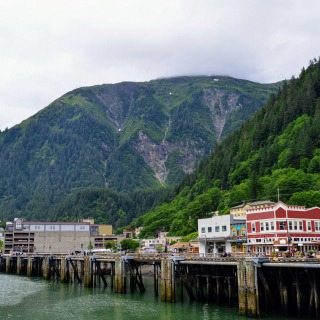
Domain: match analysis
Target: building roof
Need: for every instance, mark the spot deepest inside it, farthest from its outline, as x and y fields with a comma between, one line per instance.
x=53, y=223
x=239, y=206
x=256, y=203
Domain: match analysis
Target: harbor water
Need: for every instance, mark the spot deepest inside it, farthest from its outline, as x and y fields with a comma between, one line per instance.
x=24, y=297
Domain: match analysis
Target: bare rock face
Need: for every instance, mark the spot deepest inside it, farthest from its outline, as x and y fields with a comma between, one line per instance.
x=221, y=103
x=153, y=154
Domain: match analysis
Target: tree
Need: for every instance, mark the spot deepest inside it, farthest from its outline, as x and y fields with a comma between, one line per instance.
x=1, y=245
x=306, y=198
x=90, y=246
x=129, y=244
x=108, y=245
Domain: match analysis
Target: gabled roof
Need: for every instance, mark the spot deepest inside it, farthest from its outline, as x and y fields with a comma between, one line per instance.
x=256, y=203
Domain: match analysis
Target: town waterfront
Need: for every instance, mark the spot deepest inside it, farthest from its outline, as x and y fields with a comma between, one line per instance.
x=23, y=297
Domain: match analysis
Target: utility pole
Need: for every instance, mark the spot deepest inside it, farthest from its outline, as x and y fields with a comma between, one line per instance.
x=278, y=195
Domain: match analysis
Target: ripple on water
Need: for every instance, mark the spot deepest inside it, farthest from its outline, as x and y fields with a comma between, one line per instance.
x=13, y=290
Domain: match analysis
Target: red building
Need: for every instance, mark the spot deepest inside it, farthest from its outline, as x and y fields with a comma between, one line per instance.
x=283, y=227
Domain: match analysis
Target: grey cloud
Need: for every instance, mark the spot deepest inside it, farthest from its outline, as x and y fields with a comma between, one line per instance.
x=49, y=48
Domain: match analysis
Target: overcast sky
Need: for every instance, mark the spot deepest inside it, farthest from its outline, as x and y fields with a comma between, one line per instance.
x=50, y=47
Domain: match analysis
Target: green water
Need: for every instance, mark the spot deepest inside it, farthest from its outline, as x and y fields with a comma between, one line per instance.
x=34, y=298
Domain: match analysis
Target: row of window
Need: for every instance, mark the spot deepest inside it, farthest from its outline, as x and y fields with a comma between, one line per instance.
x=292, y=225
x=273, y=239
x=216, y=229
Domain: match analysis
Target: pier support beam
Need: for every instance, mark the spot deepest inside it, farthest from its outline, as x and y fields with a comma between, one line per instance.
x=63, y=271
x=166, y=280
x=156, y=281
x=46, y=268
x=120, y=276
x=7, y=264
x=18, y=265
x=87, y=270
x=247, y=289
x=29, y=267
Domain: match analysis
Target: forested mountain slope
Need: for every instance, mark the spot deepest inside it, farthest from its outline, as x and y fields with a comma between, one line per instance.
x=124, y=137
x=278, y=148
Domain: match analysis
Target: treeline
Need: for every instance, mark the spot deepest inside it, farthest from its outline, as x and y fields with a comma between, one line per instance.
x=108, y=207
x=278, y=148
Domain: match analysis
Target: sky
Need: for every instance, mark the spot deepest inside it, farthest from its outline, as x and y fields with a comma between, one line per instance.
x=48, y=48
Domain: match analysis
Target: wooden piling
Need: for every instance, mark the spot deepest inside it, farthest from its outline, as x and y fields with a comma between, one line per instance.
x=166, y=278
x=316, y=296
x=63, y=271
x=8, y=264
x=156, y=281
x=19, y=265
x=209, y=289
x=87, y=279
x=29, y=267
x=298, y=295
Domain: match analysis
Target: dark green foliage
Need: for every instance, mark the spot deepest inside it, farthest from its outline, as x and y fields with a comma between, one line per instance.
x=90, y=138
x=279, y=147
x=129, y=244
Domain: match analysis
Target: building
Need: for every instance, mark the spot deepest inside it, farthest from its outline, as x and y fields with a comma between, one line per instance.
x=238, y=235
x=151, y=243
x=240, y=210
x=214, y=233
x=283, y=227
x=187, y=247
x=55, y=237
x=98, y=240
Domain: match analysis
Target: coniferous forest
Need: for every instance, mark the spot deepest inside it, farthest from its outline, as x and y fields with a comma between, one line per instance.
x=278, y=148
x=114, y=152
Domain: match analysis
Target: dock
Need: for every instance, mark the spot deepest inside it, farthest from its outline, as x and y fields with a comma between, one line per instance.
x=286, y=286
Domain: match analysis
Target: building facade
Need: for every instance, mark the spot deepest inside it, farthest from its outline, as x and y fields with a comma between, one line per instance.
x=240, y=210
x=56, y=237
x=214, y=233
x=283, y=227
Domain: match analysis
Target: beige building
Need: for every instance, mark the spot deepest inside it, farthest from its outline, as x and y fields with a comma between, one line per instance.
x=240, y=210
x=56, y=237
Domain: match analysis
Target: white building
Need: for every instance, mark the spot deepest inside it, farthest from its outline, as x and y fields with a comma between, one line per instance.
x=214, y=233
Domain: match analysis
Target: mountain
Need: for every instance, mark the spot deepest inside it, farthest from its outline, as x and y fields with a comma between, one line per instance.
x=124, y=137
x=276, y=151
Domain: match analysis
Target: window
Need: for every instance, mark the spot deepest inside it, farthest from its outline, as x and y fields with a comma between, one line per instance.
x=295, y=225
x=309, y=225
x=209, y=229
x=217, y=229
x=224, y=228
x=316, y=225
x=203, y=230
x=300, y=225
x=296, y=239
x=267, y=226
x=290, y=225
x=261, y=226
x=18, y=224
x=272, y=225
x=281, y=225
x=253, y=227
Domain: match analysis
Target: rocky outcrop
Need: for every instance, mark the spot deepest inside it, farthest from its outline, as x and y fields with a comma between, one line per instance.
x=221, y=103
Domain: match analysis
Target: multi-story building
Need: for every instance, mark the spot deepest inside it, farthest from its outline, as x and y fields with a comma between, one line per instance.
x=214, y=234
x=238, y=235
x=57, y=237
x=240, y=210
x=163, y=241
x=98, y=239
x=283, y=227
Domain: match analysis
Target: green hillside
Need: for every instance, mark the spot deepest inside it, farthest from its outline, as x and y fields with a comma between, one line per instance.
x=278, y=148
x=124, y=137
